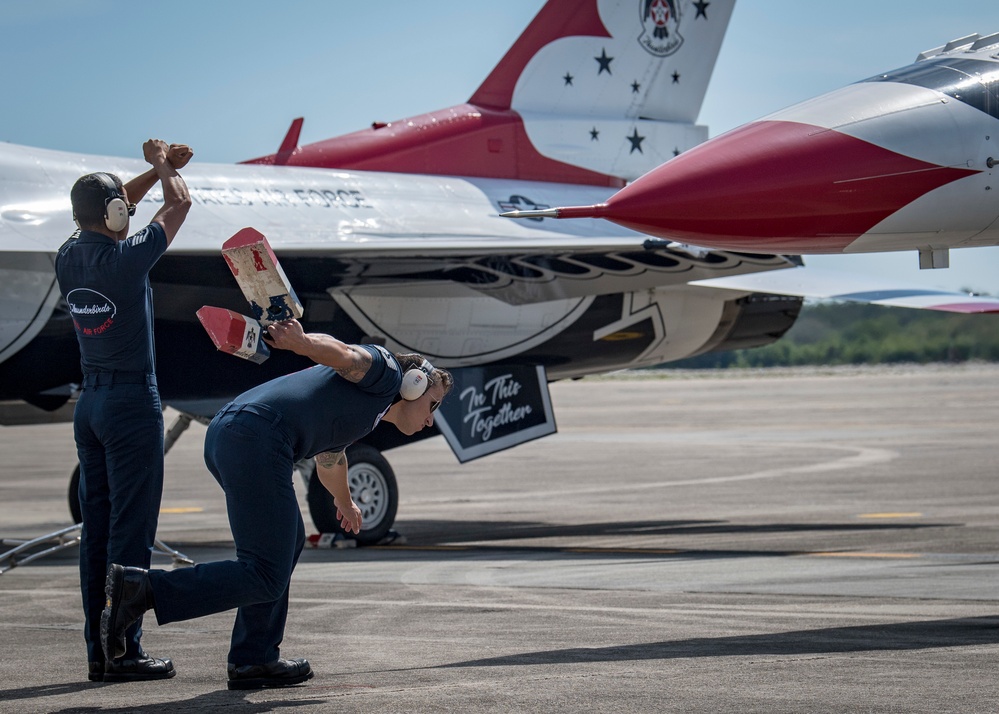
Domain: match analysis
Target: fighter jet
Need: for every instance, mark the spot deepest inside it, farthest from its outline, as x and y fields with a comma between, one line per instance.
x=392, y=235
x=903, y=160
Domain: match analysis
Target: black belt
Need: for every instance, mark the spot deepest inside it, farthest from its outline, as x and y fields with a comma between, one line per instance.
x=106, y=379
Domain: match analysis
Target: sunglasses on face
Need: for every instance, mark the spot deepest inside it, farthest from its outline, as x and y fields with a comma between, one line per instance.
x=433, y=406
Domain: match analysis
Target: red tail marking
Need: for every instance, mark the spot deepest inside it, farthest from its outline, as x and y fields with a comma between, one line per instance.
x=553, y=22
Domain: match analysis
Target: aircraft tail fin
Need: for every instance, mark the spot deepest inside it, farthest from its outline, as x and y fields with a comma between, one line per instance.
x=621, y=101
x=594, y=92
x=555, y=21
x=290, y=142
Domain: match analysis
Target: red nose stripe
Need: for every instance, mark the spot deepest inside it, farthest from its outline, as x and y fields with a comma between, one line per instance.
x=776, y=186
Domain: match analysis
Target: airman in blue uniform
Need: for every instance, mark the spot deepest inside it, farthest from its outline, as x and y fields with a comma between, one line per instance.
x=103, y=274
x=251, y=448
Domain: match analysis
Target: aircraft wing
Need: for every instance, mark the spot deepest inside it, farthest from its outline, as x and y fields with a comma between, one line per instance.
x=353, y=231
x=530, y=276
x=832, y=285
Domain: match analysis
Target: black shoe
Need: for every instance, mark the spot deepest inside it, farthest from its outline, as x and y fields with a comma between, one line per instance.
x=96, y=673
x=138, y=670
x=128, y=596
x=279, y=673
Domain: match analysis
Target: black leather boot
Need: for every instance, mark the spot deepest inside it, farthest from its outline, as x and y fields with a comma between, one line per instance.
x=128, y=596
x=279, y=673
x=140, y=669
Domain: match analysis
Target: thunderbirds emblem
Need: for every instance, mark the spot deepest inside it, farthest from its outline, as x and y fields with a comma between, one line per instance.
x=660, y=26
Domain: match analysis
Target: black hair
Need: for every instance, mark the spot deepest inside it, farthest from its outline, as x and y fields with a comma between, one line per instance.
x=89, y=198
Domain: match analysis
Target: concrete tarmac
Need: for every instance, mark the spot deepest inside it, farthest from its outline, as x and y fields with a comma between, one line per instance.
x=783, y=541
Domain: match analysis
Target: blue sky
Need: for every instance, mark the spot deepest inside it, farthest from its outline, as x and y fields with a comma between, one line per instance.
x=227, y=77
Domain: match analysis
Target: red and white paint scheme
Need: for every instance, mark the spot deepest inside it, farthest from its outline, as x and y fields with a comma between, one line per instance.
x=234, y=334
x=393, y=234
x=588, y=95
x=905, y=160
x=260, y=277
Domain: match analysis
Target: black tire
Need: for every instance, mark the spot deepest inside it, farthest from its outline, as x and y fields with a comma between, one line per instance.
x=74, y=496
x=373, y=488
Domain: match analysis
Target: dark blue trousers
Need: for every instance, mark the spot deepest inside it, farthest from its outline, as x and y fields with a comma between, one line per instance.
x=252, y=459
x=118, y=425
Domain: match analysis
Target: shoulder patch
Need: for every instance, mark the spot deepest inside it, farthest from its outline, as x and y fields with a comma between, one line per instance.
x=388, y=357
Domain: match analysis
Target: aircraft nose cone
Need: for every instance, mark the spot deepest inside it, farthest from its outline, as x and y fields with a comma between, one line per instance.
x=775, y=187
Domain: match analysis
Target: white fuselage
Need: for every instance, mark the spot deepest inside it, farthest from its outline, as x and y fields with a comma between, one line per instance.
x=371, y=223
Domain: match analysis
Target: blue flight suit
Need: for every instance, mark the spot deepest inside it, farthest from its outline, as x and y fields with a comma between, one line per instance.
x=251, y=447
x=118, y=422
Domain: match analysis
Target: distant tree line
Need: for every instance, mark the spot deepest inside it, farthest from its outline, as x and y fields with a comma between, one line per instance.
x=851, y=333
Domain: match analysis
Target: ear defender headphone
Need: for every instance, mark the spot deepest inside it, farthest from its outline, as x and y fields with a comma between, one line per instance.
x=116, y=211
x=415, y=381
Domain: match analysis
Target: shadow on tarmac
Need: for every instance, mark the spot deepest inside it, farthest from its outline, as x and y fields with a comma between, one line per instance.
x=230, y=701
x=932, y=634
x=439, y=532
x=430, y=538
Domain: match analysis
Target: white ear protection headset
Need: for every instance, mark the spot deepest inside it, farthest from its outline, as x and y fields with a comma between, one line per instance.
x=116, y=211
x=415, y=381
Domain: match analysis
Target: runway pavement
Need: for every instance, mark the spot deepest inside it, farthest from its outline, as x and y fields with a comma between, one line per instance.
x=785, y=541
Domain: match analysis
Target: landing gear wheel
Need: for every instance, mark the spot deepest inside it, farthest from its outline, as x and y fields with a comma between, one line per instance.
x=74, y=496
x=373, y=488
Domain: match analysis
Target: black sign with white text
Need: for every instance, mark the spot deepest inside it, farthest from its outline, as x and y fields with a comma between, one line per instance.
x=493, y=408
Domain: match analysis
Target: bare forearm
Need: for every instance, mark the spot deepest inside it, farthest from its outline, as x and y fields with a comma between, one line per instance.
x=325, y=349
x=331, y=470
x=350, y=361
x=335, y=481
x=138, y=187
x=174, y=188
x=176, y=199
